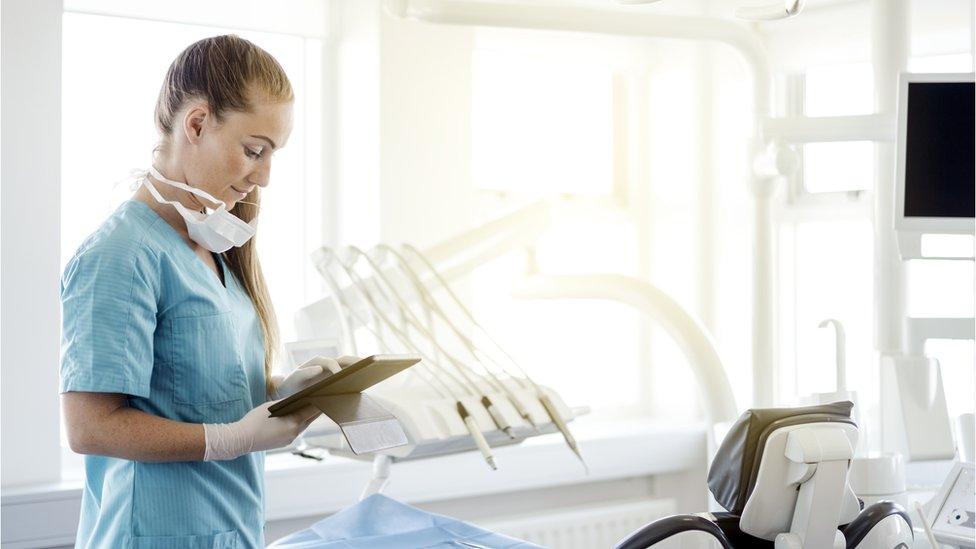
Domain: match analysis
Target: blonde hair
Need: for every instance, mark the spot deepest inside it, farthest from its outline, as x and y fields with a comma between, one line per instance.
x=228, y=73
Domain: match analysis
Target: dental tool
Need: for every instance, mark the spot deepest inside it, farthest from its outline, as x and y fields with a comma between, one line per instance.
x=432, y=307
x=363, y=288
x=334, y=287
x=429, y=331
x=470, y=425
x=546, y=402
x=412, y=320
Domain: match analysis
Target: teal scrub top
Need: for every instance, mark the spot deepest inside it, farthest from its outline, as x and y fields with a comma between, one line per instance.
x=142, y=315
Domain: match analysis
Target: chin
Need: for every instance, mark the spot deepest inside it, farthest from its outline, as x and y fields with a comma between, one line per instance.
x=231, y=197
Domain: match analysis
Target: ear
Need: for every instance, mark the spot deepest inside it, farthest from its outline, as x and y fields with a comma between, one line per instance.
x=194, y=121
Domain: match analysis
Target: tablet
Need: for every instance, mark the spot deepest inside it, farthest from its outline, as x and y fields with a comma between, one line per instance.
x=354, y=378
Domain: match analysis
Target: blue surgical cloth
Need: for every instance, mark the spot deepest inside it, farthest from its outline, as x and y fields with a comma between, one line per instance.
x=143, y=316
x=379, y=522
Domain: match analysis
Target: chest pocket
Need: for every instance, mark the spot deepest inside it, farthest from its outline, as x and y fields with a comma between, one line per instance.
x=208, y=370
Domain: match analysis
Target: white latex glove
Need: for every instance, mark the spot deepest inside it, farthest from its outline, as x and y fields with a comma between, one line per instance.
x=255, y=432
x=307, y=373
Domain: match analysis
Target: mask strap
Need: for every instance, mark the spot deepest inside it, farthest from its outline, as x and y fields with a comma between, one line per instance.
x=193, y=190
x=176, y=204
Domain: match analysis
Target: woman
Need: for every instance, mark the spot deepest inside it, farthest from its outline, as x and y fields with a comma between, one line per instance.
x=168, y=334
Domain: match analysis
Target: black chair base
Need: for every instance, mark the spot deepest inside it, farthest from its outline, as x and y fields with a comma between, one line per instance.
x=869, y=518
x=724, y=527
x=664, y=528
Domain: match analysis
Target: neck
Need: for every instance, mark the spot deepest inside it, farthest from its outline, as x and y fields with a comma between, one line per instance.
x=166, y=211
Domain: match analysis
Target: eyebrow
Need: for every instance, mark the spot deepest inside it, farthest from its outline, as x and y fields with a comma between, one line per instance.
x=268, y=139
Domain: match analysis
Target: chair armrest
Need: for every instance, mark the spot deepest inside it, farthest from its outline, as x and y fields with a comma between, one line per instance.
x=858, y=528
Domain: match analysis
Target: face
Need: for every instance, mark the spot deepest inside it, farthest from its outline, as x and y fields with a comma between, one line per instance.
x=231, y=158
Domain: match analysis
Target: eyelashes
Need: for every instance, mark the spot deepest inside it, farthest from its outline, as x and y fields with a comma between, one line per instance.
x=252, y=154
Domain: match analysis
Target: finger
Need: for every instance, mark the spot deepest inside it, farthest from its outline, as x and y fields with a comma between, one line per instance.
x=347, y=360
x=309, y=372
x=317, y=378
x=326, y=363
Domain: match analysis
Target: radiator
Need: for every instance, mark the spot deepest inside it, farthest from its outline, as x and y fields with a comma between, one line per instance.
x=591, y=527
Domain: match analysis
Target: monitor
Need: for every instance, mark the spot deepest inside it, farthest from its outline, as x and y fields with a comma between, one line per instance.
x=936, y=162
x=936, y=141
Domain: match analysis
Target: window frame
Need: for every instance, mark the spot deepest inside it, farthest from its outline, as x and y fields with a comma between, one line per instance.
x=798, y=206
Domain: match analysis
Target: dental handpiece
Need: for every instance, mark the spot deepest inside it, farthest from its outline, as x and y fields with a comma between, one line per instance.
x=476, y=434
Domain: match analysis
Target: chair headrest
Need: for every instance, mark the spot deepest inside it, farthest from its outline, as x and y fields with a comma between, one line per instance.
x=732, y=475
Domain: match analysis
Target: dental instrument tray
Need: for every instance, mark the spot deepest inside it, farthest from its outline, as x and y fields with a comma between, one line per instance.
x=350, y=380
x=466, y=394
x=434, y=428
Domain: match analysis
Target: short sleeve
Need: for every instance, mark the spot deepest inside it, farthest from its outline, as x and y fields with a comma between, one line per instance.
x=108, y=318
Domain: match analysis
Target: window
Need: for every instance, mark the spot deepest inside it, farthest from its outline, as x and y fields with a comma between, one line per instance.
x=956, y=359
x=825, y=251
x=839, y=166
x=838, y=90
x=825, y=247
x=832, y=274
x=951, y=62
x=938, y=288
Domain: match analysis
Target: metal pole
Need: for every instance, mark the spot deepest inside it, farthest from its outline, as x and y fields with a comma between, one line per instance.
x=889, y=43
x=890, y=38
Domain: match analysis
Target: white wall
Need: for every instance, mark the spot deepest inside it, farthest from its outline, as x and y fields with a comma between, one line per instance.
x=403, y=109
x=841, y=33
x=425, y=130
x=357, y=121
x=30, y=232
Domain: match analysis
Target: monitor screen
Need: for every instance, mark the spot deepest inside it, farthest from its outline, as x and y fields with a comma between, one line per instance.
x=939, y=150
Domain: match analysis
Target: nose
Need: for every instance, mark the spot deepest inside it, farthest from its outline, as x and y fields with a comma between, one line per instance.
x=261, y=176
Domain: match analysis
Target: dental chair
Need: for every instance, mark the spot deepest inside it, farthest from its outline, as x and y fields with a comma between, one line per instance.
x=781, y=474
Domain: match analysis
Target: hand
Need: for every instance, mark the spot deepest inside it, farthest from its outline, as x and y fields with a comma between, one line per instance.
x=348, y=360
x=255, y=432
x=308, y=373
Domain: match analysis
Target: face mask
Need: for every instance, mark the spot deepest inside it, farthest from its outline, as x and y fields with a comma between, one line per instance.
x=217, y=231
